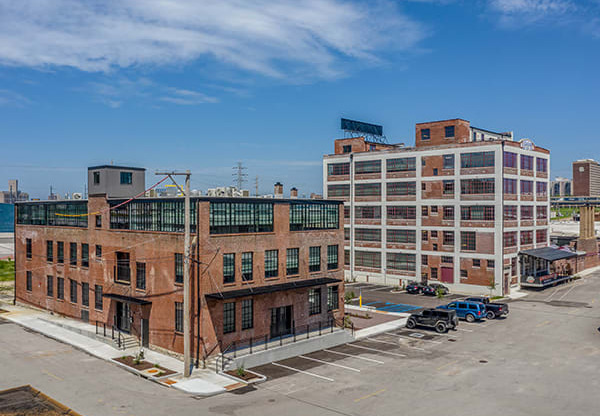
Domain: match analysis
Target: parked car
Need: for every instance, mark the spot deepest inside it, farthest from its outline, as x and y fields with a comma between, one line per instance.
x=415, y=287
x=432, y=289
x=492, y=309
x=471, y=311
x=440, y=319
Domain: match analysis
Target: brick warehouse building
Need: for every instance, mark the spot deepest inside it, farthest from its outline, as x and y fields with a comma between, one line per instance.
x=456, y=208
x=265, y=266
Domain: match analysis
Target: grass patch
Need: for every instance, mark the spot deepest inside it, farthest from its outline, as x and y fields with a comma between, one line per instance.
x=7, y=271
x=496, y=297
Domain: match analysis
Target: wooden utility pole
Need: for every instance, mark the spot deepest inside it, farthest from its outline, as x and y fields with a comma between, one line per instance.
x=187, y=327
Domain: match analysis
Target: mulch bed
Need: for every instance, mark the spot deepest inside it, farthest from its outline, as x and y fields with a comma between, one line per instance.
x=163, y=372
x=247, y=376
x=144, y=365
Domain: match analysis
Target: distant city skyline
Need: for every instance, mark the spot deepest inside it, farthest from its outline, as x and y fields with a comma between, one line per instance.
x=203, y=86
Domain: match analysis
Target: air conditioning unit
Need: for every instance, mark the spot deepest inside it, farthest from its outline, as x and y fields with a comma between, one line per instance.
x=77, y=195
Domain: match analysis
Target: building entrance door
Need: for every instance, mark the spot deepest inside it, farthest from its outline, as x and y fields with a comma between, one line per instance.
x=447, y=275
x=281, y=321
x=123, y=317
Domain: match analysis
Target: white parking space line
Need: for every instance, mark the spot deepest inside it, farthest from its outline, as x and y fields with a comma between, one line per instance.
x=463, y=329
x=356, y=356
x=568, y=291
x=444, y=334
x=478, y=325
x=303, y=372
x=379, y=351
x=396, y=343
x=419, y=339
x=380, y=288
x=328, y=363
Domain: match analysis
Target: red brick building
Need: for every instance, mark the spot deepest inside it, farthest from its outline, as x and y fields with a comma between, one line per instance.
x=259, y=267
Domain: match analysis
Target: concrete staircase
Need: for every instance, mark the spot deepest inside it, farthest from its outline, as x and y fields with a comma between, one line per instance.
x=127, y=341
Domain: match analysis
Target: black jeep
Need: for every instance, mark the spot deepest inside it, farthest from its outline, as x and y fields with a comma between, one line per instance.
x=440, y=319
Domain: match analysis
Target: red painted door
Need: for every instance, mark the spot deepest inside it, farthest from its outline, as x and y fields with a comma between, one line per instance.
x=447, y=275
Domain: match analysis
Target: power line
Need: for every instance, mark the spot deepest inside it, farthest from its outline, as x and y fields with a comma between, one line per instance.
x=239, y=176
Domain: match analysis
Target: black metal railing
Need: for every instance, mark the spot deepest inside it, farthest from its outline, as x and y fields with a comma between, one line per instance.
x=101, y=325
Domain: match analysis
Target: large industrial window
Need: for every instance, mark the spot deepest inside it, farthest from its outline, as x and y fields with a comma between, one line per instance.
x=477, y=160
x=510, y=186
x=152, y=215
x=346, y=212
x=271, y=263
x=477, y=213
x=405, y=164
x=367, y=212
x=542, y=212
x=126, y=178
x=468, y=241
x=28, y=250
x=526, y=237
x=178, y=316
x=448, y=131
x=247, y=266
x=401, y=188
x=73, y=254
x=73, y=290
x=314, y=259
x=448, y=187
x=332, y=257
x=347, y=234
x=228, y=317
x=292, y=261
x=314, y=216
x=425, y=134
x=510, y=213
x=526, y=187
x=333, y=299
x=29, y=282
x=448, y=239
x=70, y=213
x=526, y=162
x=401, y=261
x=49, y=251
x=540, y=236
x=401, y=236
x=247, y=314
x=314, y=301
x=541, y=164
x=401, y=212
x=338, y=190
x=123, y=269
x=140, y=275
x=49, y=286
x=367, y=234
x=448, y=212
x=98, y=297
x=541, y=188
x=85, y=294
x=526, y=212
x=448, y=162
x=85, y=255
x=510, y=160
x=338, y=169
x=242, y=217
x=448, y=259
x=371, y=259
x=60, y=288
x=477, y=186
x=510, y=239
x=179, y=267
x=228, y=268
x=367, y=166
x=367, y=189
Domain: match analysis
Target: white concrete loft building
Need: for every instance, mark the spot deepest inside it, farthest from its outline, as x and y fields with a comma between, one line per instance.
x=457, y=208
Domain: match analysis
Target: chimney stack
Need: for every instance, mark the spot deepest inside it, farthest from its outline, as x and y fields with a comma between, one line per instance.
x=278, y=192
x=294, y=193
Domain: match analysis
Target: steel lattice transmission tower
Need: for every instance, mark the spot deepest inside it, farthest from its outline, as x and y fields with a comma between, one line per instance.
x=239, y=176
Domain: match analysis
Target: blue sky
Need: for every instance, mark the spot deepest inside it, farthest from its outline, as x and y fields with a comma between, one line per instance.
x=201, y=85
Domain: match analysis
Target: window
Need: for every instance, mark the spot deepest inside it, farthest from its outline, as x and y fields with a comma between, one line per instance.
x=332, y=257
x=347, y=149
x=228, y=317
x=60, y=288
x=401, y=261
x=540, y=236
x=123, y=271
x=271, y=265
x=314, y=216
x=401, y=188
x=526, y=213
x=401, y=236
x=140, y=276
x=98, y=252
x=434, y=273
x=347, y=234
x=424, y=260
x=541, y=165
x=28, y=250
x=510, y=213
x=98, y=221
x=367, y=234
x=447, y=259
x=247, y=266
x=96, y=178
x=73, y=290
x=338, y=169
x=434, y=247
x=85, y=255
x=45, y=214
x=292, y=261
x=510, y=186
x=314, y=258
x=526, y=162
x=151, y=215
x=333, y=300
x=314, y=301
x=490, y=264
x=542, y=212
x=510, y=239
x=448, y=187
x=368, y=189
x=448, y=162
x=338, y=190
x=29, y=282
x=85, y=294
x=367, y=213
x=448, y=131
x=476, y=263
x=468, y=240
x=229, y=268
x=526, y=187
x=367, y=166
x=510, y=160
x=424, y=211
x=435, y=171
x=347, y=212
x=178, y=316
x=241, y=217
x=425, y=134
x=370, y=259
x=477, y=160
x=541, y=188
x=477, y=186
x=448, y=213
x=434, y=210
x=346, y=257
x=73, y=254
x=424, y=235
x=448, y=239
x=526, y=237
x=401, y=212
x=98, y=297
x=477, y=213
x=179, y=268
x=49, y=286
x=126, y=178
x=406, y=164
x=247, y=314
x=464, y=274
x=49, y=251
x=434, y=234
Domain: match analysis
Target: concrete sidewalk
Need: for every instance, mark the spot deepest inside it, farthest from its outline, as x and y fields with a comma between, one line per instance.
x=81, y=335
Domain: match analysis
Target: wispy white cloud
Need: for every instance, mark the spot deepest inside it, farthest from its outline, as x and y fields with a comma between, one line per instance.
x=283, y=39
x=525, y=12
x=12, y=99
